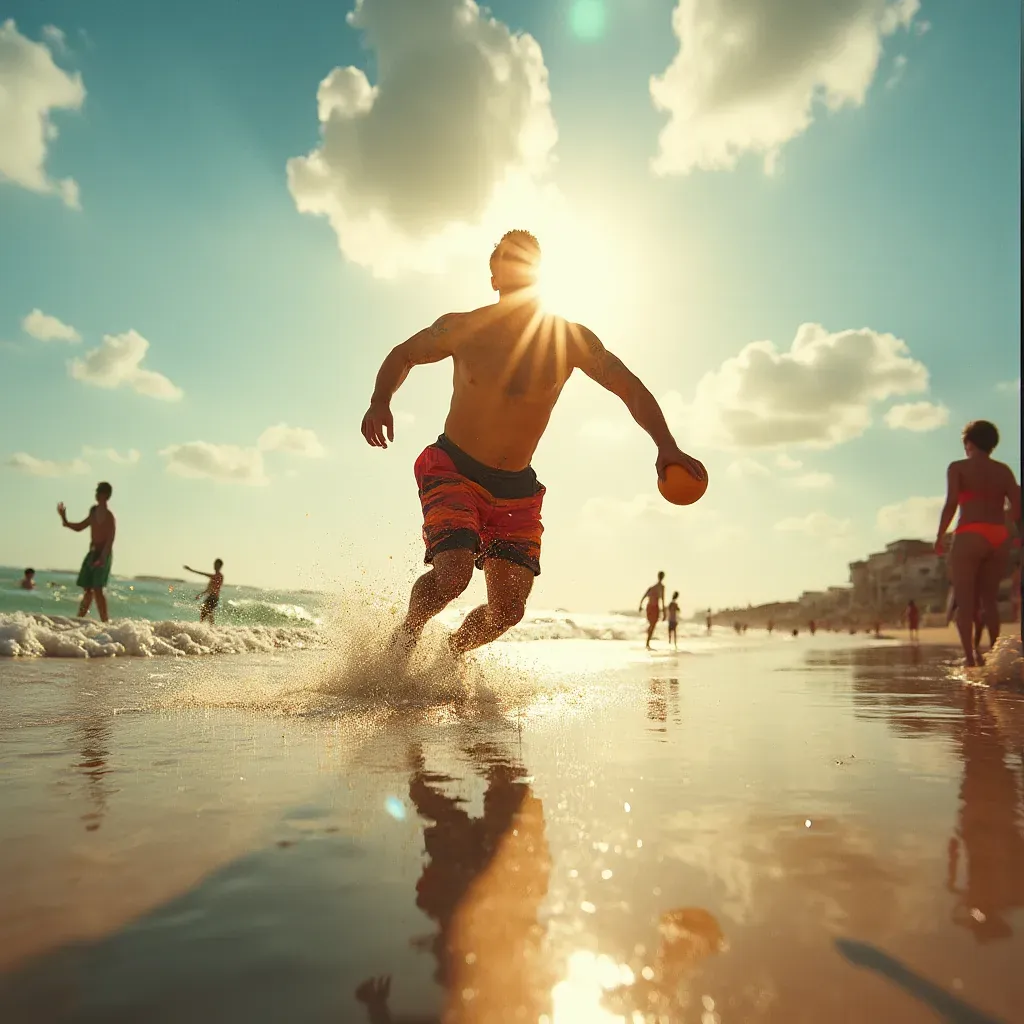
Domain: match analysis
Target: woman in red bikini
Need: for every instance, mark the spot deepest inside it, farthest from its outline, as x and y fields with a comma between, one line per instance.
x=981, y=487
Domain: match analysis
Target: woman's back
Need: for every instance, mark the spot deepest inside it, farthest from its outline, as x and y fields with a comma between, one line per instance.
x=982, y=487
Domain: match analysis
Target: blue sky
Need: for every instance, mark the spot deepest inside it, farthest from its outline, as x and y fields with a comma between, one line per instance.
x=894, y=214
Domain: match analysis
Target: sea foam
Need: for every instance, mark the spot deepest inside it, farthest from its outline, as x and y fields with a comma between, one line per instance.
x=33, y=635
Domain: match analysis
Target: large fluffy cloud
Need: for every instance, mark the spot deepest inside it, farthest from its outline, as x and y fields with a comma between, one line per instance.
x=31, y=87
x=25, y=463
x=916, y=517
x=819, y=393
x=293, y=440
x=917, y=416
x=749, y=73
x=44, y=327
x=117, y=363
x=457, y=124
x=227, y=463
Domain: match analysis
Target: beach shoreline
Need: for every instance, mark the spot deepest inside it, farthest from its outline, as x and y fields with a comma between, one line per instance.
x=178, y=832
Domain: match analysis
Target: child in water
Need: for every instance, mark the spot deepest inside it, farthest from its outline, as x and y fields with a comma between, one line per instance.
x=673, y=620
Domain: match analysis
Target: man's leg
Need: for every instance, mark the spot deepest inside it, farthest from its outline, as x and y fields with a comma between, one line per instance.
x=101, y=604
x=508, y=587
x=83, y=608
x=448, y=576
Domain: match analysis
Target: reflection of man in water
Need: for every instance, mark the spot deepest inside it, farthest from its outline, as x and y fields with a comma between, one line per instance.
x=989, y=832
x=483, y=883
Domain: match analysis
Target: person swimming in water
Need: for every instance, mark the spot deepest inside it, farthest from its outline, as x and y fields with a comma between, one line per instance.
x=212, y=591
x=654, y=597
x=982, y=488
x=28, y=581
x=673, y=620
x=95, y=571
x=480, y=496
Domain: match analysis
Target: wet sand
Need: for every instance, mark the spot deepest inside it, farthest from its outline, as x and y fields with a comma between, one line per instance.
x=814, y=830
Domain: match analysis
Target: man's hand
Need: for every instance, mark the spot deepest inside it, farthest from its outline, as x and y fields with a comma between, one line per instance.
x=940, y=545
x=670, y=455
x=377, y=420
x=62, y=512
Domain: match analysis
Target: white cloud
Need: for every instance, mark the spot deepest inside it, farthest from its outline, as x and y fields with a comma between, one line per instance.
x=917, y=416
x=1009, y=386
x=899, y=65
x=294, y=440
x=784, y=461
x=31, y=88
x=447, y=143
x=916, y=517
x=118, y=361
x=610, y=517
x=227, y=463
x=819, y=393
x=738, y=469
x=130, y=458
x=814, y=481
x=750, y=75
x=818, y=525
x=44, y=327
x=25, y=463
x=56, y=38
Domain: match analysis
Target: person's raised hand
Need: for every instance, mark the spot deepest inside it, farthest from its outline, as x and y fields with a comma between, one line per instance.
x=378, y=424
x=673, y=455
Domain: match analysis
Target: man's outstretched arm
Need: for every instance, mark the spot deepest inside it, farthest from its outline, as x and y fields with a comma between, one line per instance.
x=611, y=373
x=430, y=345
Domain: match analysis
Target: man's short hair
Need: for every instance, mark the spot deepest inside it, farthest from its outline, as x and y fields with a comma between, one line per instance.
x=217, y=564
x=982, y=435
x=519, y=244
x=104, y=488
x=30, y=572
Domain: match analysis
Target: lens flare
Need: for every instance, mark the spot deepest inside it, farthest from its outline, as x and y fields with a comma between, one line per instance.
x=587, y=19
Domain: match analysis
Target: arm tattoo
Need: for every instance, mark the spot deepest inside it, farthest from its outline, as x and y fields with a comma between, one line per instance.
x=439, y=326
x=605, y=366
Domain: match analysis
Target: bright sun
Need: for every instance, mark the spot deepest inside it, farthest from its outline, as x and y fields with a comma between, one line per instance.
x=579, y=276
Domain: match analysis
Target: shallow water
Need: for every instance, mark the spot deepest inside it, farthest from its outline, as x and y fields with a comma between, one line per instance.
x=575, y=831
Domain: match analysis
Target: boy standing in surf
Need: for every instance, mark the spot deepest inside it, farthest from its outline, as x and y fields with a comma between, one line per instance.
x=481, y=498
x=95, y=571
x=654, y=596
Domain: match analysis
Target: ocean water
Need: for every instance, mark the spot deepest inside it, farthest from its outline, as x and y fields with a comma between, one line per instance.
x=161, y=617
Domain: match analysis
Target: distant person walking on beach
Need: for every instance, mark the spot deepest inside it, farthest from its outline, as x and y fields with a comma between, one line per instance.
x=28, y=581
x=480, y=496
x=673, y=620
x=654, y=596
x=95, y=571
x=913, y=617
x=707, y=622
x=982, y=488
x=212, y=591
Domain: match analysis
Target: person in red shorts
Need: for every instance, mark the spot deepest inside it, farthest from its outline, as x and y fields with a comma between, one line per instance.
x=481, y=498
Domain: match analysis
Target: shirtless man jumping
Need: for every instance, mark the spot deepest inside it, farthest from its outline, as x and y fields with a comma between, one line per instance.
x=481, y=499
x=95, y=571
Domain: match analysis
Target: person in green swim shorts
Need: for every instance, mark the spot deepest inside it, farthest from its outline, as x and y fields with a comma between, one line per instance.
x=95, y=571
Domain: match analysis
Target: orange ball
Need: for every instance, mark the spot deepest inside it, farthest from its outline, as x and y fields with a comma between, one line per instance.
x=679, y=487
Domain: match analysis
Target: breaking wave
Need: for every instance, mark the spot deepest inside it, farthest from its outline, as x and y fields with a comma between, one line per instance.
x=33, y=635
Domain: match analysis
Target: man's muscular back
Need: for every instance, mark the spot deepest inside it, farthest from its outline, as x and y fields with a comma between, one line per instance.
x=511, y=363
x=510, y=368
